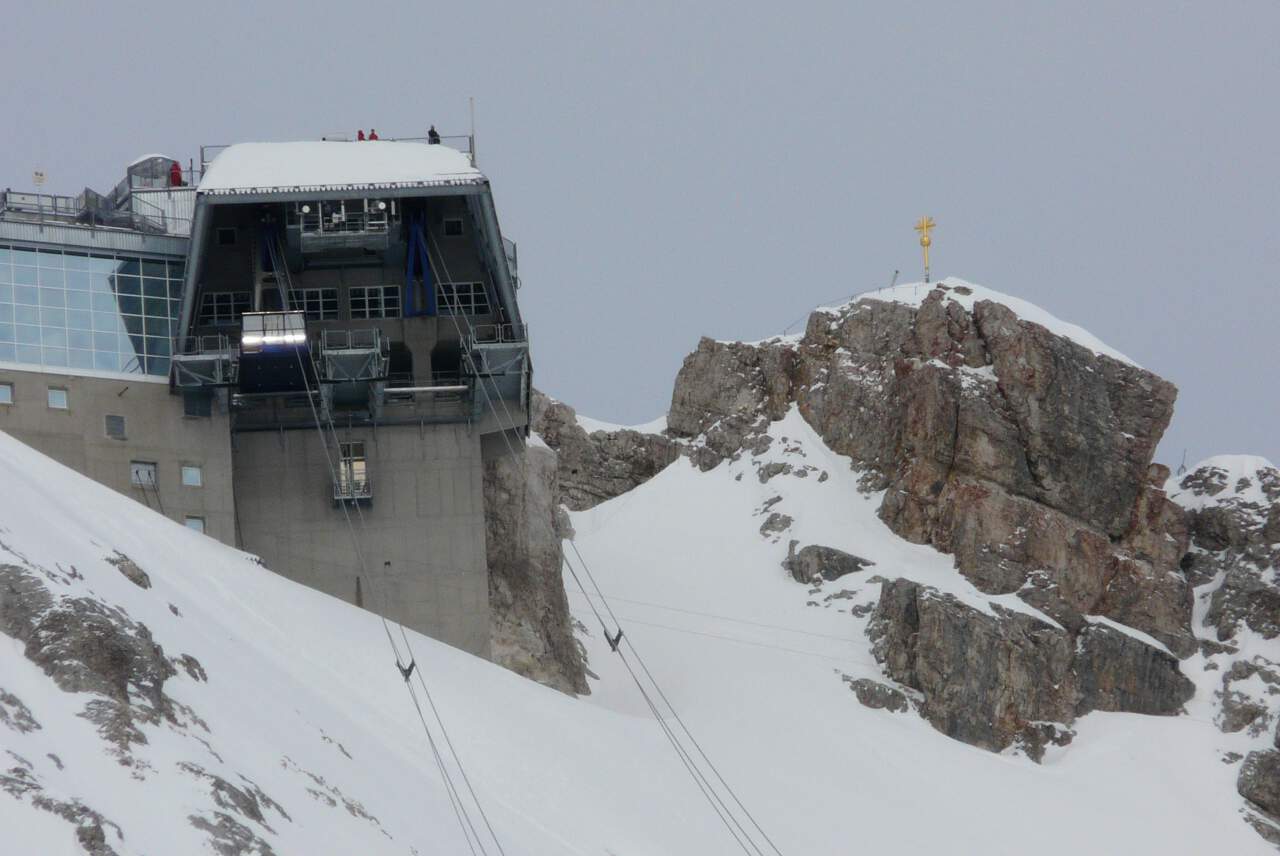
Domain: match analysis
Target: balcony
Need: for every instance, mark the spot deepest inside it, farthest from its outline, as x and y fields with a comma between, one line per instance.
x=206, y=361
x=344, y=224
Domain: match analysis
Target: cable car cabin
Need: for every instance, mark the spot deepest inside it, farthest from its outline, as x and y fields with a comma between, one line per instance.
x=275, y=355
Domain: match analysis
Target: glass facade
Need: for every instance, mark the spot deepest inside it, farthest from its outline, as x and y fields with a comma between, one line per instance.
x=80, y=310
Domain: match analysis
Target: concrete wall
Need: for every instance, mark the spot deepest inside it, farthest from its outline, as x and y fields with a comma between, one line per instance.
x=156, y=431
x=426, y=518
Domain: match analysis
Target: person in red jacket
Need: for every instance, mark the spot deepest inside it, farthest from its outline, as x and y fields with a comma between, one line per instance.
x=175, y=175
x=360, y=135
x=373, y=135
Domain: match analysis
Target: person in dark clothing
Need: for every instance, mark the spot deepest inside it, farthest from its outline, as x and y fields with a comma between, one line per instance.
x=373, y=135
x=175, y=175
x=433, y=136
x=360, y=135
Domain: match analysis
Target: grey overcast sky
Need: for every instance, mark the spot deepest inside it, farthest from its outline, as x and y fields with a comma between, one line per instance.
x=678, y=169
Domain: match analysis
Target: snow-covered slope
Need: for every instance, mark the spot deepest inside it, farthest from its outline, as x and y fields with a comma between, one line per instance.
x=302, y=699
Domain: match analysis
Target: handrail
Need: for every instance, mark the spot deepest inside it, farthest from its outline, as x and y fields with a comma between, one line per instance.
x=487, y=334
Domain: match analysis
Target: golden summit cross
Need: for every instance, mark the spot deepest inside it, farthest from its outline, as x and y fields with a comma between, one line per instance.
x=923, y=227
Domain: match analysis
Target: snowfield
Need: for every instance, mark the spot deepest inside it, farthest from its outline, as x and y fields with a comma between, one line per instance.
x=303, y=700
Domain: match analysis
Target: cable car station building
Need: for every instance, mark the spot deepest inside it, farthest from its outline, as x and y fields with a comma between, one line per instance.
x=314, y=339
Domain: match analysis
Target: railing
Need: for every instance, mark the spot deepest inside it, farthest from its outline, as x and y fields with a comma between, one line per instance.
x=272, y=329
x=41, y=203
x=207, y=344
x=353, y=340
x=487, y=334
x=350, y=487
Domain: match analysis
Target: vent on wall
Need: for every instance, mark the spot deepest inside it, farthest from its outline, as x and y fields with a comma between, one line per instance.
x=114, y=427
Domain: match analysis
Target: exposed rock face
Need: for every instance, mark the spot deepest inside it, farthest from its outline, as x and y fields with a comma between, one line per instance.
x=827, y=563
x=878, y=696
x=89, y=647
x=1024, y=454
x=599, y=465
x=1232, y=504
x=1233, y=509
x=995, y=678
x=531, y=633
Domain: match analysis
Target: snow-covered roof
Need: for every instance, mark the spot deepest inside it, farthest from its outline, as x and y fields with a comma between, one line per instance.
x=968, y=293
x=290, y=167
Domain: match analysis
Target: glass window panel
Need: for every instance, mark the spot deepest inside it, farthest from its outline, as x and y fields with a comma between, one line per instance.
x=49, y=259
x=29, y=354
x=24, y=257
x=128, y=285
x=106, y=322
x=26, y=314
x=130, y=305
x=155, y=307
x=8, y=352
x=158, y=365
x=175, y=309
x=177, y=270
x=53, y=297
x=80, y=339
x=129, y=267
x=27, y=334
x=6, y=293
x=132, y=324
x=175, y=289
x=157, y=347
x=24, y=275
x=78, y=280
x=155, y=288
x=101, y=283
x=80, y=359
x=105, y=342
x=27, y=294
x=6, y=331
x=150, y=267
x=53, y=317
x=53, y=278
x=79, y=299
x=76, y=262
x=54, y=337
x=78, y=319
x=192, y=476
x=102, y=266
x=55, y=356
x=158, y=327
x=104, y=361
x=6, y=255
x=6, y=312
x=6, y=274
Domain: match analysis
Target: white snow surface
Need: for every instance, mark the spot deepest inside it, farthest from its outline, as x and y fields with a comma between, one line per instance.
x=298, y=681
x=261, y=167
x=914, y=293
x=653, y=426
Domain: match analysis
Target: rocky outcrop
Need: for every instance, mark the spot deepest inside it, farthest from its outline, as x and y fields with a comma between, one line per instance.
x=1233, y=513
x=599, y=465
x=530, y=629
x=997, y=677
x=817, y=561
x=1021, y=452
x=1259, y=783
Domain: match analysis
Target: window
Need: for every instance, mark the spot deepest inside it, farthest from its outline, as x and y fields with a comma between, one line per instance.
x=192, y=476
x=114, y=426
x=453, y=227
x=227, y=236
x=353, y=475
x=196, y=523
x=102, y=312
x=142, y=473
x=222, y=308
x=377, y=301
x=462, y=298
x=57, y=398
x=319, y=304
x=6, y=393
